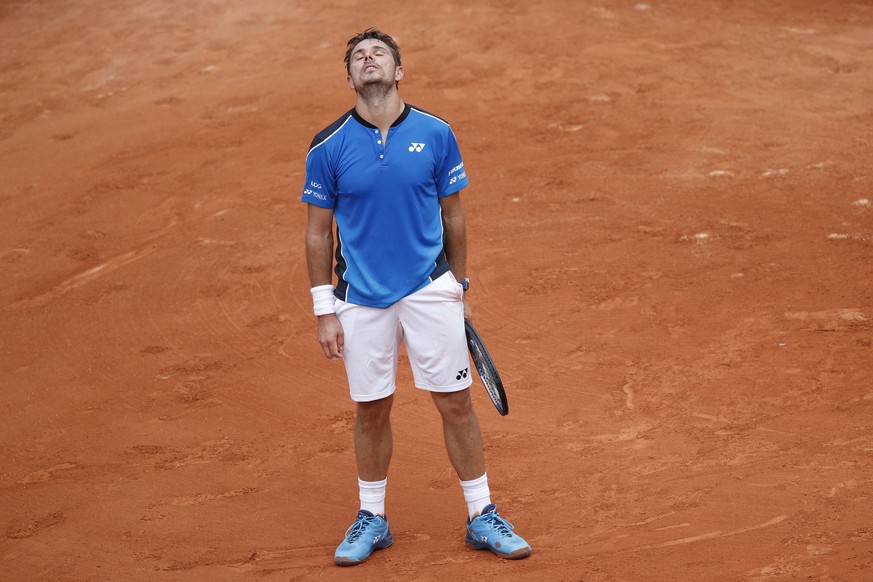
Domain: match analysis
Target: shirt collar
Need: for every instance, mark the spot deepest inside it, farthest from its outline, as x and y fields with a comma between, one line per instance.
x=403, y=115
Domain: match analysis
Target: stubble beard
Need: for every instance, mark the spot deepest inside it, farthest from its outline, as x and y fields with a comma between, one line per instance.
x=375, y=91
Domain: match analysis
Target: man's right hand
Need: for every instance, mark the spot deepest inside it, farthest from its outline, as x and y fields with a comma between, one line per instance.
x=330, y=336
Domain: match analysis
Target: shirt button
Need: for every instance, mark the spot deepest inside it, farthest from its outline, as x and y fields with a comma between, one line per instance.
x=379, y=142
x=381, y=156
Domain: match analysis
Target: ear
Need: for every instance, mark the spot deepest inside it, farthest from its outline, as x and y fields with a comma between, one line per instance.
x=398, y=74
x=351, y=84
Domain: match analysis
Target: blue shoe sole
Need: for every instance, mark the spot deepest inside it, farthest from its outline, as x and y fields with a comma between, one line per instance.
x=344, y=561
x=515, y=555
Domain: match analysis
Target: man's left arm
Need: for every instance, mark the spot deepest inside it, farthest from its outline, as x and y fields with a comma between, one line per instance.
x=455, y=229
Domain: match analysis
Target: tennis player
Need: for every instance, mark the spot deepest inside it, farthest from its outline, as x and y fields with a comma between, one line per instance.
x=390, y=174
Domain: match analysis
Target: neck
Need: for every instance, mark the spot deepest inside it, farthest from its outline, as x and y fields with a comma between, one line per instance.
x=381, y=108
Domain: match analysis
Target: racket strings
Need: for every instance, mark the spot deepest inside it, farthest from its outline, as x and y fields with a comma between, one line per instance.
x=487, y=371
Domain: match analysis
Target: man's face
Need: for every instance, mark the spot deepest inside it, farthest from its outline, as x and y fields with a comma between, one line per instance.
x=371, y=62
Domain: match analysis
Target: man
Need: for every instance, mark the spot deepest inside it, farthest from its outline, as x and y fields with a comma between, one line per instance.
x=390, y=175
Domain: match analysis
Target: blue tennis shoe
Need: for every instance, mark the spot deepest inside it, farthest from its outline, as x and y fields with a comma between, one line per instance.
x=489, y=531
x=368, y=533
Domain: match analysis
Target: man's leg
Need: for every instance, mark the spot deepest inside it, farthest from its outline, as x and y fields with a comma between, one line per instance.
x=461, y=433
x=372, y=340
x=374, y=442
x=464, y=446
x=433, y=324
x=370, y=352
x=373, y=448
x=486, y=530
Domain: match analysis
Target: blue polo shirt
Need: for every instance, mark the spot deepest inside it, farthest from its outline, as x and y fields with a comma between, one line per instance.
x=385, y=198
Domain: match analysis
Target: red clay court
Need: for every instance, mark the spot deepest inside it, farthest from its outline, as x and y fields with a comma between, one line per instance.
x=671, y=244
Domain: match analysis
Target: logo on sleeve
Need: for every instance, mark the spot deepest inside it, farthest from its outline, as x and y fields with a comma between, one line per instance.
x=314, y=194
x=416, y=147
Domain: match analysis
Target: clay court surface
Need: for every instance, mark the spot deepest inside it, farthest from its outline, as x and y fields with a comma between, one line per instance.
x=671, y=235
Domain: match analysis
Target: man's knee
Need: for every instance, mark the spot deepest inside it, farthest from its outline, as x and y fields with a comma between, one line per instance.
x=455, y=406
x=374, y=413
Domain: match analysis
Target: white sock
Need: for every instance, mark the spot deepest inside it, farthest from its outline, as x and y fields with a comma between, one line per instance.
x=372, y=494
x=476, y=494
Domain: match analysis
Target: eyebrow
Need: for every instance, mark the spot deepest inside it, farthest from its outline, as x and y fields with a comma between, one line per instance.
x=375, y=47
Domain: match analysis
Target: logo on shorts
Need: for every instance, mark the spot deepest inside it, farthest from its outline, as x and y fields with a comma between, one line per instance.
x=462, y=374
x=416, y=147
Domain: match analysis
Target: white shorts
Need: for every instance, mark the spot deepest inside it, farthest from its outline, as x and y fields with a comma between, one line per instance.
x=431, y=324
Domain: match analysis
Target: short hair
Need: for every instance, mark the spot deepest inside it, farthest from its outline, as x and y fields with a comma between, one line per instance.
x=375, y=34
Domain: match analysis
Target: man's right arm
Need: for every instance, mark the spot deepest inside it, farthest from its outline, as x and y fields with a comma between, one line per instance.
x=319, y=260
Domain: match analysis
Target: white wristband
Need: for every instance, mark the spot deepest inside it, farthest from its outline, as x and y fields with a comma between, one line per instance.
x=323, y=301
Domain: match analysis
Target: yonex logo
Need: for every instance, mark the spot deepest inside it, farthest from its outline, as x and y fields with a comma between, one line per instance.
x=314, y=194
x=462, y=374
x=416, y=147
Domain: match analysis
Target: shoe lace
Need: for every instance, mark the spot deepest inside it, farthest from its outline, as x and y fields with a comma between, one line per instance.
x=498, y=524
x=357, y=529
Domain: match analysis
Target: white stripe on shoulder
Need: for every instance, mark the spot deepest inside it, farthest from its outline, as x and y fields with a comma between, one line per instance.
x=324, y=141
x=428, y=115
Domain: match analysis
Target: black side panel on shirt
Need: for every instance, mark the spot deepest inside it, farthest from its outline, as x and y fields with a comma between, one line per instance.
x=342, y=287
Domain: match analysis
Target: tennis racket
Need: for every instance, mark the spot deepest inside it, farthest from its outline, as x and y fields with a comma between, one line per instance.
x=487, y=370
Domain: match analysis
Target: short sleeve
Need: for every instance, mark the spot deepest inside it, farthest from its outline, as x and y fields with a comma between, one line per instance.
x=452, y=176
x=320, y=187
